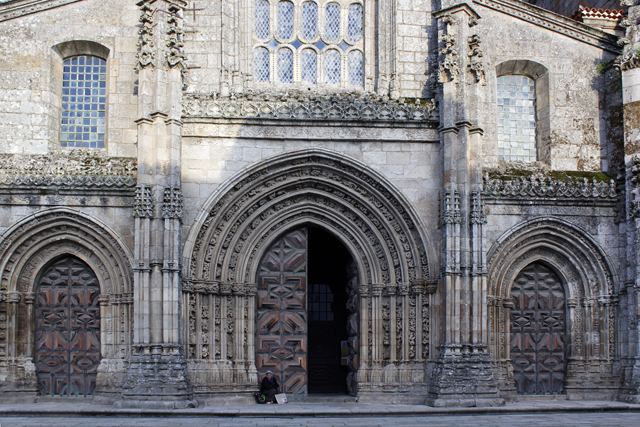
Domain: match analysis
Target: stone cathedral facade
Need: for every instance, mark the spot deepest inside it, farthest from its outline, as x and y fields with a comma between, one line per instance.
x=427, y=201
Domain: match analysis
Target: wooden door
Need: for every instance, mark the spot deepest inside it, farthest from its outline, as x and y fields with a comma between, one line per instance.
x=67, y=327
x=538, y=331
x=281, y=332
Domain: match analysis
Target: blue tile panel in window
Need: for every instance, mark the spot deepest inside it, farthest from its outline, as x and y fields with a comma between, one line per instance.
x=355, y=23
x=332, y=22
x=516, y=119
x=84, y=91
x=262, y=19
x=332, y=67
x=261, y=63
x=309, y=66
x=309, y=20
x=285, y=20
x=285, y=65
x=356, y=68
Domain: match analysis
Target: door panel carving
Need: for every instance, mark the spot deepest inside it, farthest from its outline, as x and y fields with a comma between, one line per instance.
x=281, y=332
x=538, y=331
x=67, y=329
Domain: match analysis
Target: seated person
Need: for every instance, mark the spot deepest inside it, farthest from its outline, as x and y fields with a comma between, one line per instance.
x=269, y=387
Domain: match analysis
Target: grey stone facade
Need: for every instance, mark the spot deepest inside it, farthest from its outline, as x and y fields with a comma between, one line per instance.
x=203, y=168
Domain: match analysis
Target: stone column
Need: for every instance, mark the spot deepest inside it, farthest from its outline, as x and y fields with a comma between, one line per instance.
x=461, y=373
x=157, y=375
x=629, y=65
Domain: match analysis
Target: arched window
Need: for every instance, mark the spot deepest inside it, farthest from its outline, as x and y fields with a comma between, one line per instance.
x=517, y=118
x=84, y=92
x=309, y=39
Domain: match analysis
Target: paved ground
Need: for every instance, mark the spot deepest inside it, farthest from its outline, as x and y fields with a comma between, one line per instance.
x=506, y=420
x=528, y=413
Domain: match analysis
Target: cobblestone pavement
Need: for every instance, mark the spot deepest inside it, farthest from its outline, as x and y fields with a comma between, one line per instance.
x=609, y=419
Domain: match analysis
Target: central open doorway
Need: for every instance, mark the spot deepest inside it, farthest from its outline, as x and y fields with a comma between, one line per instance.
x=328, y=279
x=306, y=325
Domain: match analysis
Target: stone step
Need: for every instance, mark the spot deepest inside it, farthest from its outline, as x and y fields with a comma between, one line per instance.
x=323, y=398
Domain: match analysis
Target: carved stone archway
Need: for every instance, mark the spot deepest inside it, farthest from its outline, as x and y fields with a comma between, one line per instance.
x=591, y=300
x=370, y=217
x=26, y=249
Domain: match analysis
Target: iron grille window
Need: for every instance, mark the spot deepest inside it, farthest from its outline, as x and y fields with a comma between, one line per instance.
x=84, y=91
x=306, y=41
x=516, y=119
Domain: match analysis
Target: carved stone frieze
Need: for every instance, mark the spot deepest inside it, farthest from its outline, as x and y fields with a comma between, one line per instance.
x=538, y=186
x=143, y=205
x=146, y=56
x=172, y=203
x=475, y=59
x=297, y=105
x=74, y=169
x=449, y=65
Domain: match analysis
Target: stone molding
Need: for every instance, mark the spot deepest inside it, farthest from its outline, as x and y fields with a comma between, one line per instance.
x=539, y=187
x=554, y=22
x=17, y=9
x=71, y=170
x=299, y=106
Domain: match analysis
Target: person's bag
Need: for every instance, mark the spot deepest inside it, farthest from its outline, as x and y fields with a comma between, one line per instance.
x=281, y=398
x=260, y=398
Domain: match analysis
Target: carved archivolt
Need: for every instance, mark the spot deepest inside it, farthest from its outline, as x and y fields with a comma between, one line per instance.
x=360, y=207
x=576, y=256
x=29, y=245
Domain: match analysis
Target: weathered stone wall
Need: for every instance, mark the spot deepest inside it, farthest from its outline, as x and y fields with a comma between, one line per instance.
x=572, y=130
x=31, y=74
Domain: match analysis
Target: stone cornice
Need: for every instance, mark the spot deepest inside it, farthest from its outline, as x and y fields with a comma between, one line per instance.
x=554, y=22
x=17, y=8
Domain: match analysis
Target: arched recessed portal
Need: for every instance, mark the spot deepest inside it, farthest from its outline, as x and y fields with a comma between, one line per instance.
x=304, y=282
x=538, y=329
x=67, y=329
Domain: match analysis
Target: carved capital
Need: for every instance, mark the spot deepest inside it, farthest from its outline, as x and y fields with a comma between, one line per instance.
x=13, y=297
x=29, y=297
x=172, y=203
x=143, y=203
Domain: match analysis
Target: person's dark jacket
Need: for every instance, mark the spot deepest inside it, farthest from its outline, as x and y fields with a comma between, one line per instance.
x=268, y=385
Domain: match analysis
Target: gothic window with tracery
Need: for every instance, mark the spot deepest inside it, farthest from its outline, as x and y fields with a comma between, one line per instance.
x=517, y=118
x=309, y=42
x=84, y=92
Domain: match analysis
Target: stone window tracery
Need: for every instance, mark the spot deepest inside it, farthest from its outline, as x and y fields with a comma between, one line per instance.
x=309, y=42
x=84, y=88
x=517, y=118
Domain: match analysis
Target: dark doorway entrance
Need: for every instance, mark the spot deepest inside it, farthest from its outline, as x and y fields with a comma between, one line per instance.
x=538, y=331
x=327, y=314
x=67, y=329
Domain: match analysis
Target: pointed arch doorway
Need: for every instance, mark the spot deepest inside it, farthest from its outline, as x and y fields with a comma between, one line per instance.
x=306, y=328
x=67, y=329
